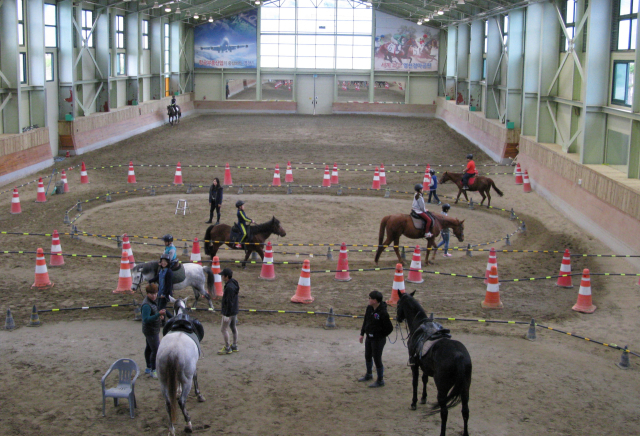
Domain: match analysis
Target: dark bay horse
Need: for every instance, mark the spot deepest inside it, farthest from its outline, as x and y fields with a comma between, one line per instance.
x=402, y=225
x=174, y=114
x=481, y=184
x=444, y=359
x=259, y=234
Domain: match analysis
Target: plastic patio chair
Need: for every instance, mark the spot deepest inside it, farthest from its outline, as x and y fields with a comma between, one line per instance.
x=126, y=384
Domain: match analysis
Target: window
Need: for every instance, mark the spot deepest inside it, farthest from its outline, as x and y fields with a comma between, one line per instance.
x=505, y=29
x=23, y=68
x=119, y=31
x=623, y=79
x=50, y=22
x=87, y=24
x=484, y=50
x=48, y=63
x=121, y=64
x=145, y=34
x=627, y=24
x=167, y=44
x=20, y=23
x=569, y=21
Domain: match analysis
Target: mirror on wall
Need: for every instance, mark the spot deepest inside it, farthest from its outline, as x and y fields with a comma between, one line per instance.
x=353, y=90
x=277, y=89
x=389, y=91
x=240, y=89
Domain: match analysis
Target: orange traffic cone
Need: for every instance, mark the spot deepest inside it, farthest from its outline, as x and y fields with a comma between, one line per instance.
x=426, y=181
x=15, y=202
x=376, y=179
x=334, y=174
x=268, y=272
x=56, y=250
x=518, y=174
x=42, y=276
x=177, y=179
x=63, y=177
x=288, y=176
x=584, y=303
x=124, y=280
x=131, y=176
x=195, y=252
x=493, y=260
x=415, y=276
x=398, y=286
x=342, y=275
x=84, y=177
x=326, y=181
x=564, y=279
x=303, y=292
x=492, y=296
x=383, y=175
x=126, y=246
x=217, y=285
x=41, y=197
x=276, y=177
x=527, y=184
x=227, y=175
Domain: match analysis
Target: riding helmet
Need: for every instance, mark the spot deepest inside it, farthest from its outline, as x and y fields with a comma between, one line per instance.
x=239, y=203
x=446, y=207
x=432, y=172
x=469, y=156
x=167, y=238
x=418, y=187
x=166, y=257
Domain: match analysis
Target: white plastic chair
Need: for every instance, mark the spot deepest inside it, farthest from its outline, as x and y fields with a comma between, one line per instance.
x=128, y=373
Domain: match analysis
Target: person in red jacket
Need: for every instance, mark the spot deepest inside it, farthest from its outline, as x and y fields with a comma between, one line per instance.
x=469, y=171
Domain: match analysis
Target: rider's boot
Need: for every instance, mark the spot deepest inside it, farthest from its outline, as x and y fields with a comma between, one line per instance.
x=380, y=381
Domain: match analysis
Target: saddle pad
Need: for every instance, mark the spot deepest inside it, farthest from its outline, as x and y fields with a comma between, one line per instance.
x=179, y=275
x=472, y=180
x=418, y=223
x=193, y=337
x=427, y=345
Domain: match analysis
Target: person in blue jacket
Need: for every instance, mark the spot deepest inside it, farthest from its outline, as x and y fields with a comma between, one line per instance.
x=169, y=248
x=243, y=222
x=433, y=186
x=164, y=279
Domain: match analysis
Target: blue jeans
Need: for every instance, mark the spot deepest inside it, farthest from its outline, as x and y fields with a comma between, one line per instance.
x=445, y=242
x=434, y=196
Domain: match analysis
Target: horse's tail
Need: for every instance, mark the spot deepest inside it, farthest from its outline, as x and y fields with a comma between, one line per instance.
x=383, y=225
x=210, y=279
x=170, y=382
x=207, y=244
x=455, y=395
x=493, y=185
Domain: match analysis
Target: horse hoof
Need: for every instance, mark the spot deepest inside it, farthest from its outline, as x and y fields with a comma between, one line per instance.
x=201, y=398
x=413, y=407
x=187, y=428
x=423, y=401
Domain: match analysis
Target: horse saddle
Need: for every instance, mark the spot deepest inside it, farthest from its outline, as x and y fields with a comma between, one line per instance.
x=187, y=325
x=419, y=223
x=422, y=342
x=179, y=274
x=236, y=233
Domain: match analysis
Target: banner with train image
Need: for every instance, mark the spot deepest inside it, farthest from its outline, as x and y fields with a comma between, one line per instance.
x=227, y=43
x=404, y=46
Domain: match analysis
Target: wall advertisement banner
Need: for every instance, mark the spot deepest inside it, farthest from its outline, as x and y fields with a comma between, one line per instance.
x=404, y=46
x=227, y=43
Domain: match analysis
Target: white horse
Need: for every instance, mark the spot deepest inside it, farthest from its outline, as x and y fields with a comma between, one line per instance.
x=196, y=276
x=176, y=362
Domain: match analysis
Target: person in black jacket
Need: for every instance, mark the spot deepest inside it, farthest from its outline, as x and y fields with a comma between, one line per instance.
x=376, y=327
x=215, y=200
x=229, y=311
x=151, y=319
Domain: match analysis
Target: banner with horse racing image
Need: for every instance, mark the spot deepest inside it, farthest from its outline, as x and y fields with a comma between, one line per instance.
x=404, y=46
x=227, y=43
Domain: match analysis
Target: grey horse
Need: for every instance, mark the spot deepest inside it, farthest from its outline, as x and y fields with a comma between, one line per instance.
x=197, y=277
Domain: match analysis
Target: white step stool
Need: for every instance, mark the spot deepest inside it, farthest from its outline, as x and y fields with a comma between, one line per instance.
x=182, y=207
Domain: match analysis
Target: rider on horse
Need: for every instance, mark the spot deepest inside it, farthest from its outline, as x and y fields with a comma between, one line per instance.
x=169, y=248
x=419, y=208
x=173, y=101
x=469, y=171
x=243, y=222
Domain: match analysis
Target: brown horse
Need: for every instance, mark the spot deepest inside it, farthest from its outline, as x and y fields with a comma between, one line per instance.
x=402, y=225
x=481, y=184
x=259, y=234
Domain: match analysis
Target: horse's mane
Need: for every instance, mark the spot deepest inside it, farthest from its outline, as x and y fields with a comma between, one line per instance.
x=266, y=227
x=446, y=218
x=412, y=304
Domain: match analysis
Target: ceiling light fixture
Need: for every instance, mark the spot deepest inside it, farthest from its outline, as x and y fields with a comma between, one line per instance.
x=440, y=12
x=210, y=19
x=156, y=5
x=178, y=10
x=427, y=19
x=257, y=2
x=419, y=22
x=196, y=16
x=167, y=8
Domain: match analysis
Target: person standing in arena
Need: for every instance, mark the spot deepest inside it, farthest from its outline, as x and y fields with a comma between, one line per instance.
x=433, y=186
x=229, y=310
x=215, y=200
x=445, y=232
x=375, y=327
x=152, y=317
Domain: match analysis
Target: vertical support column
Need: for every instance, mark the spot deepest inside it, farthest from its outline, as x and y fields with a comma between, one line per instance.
x=462, y=63
x=530, y=82
x=372, y=82
x=634, y=144
x=258, y=72
x=595, y=88
x=494, y=50
x=452, y=46
x=66, y=64
x=132, y=43
x=103, y=60
x=515, y=61
x=155, y=58
x=34, y=9
x=547, y=67
x=9, y=65
x=175, y=28
x=476, y=46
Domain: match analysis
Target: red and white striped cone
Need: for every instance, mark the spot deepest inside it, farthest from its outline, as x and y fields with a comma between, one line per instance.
x=15, y=202
x=124, y=279
x=56, y=250
x=126, y=246
x=303, y=291
x=227, y=175
x=526, y=185
x=427, y=180
x=584, y=303
x=493, y=260
x=383, y=175
x=334, y=174
x=398, y=285
x=492, y=296
x=177, y=179
x=42, y=276
x=564, y=279
x=195, y=252
x=276, y=177
x=268, y=272
x=84, y=177
x=518, y=174
x=131, y=176
x=288, y=175
x=326, y=181
x=41, y=197
x=217, y=280
x=415, y=276
x=342, y=273
x=63, y=177
x=376, y=179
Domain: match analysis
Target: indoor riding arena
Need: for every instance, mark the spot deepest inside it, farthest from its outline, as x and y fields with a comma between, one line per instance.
x=322, y=116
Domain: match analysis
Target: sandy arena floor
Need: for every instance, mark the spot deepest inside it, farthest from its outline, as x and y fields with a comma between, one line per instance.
x=292, y=377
